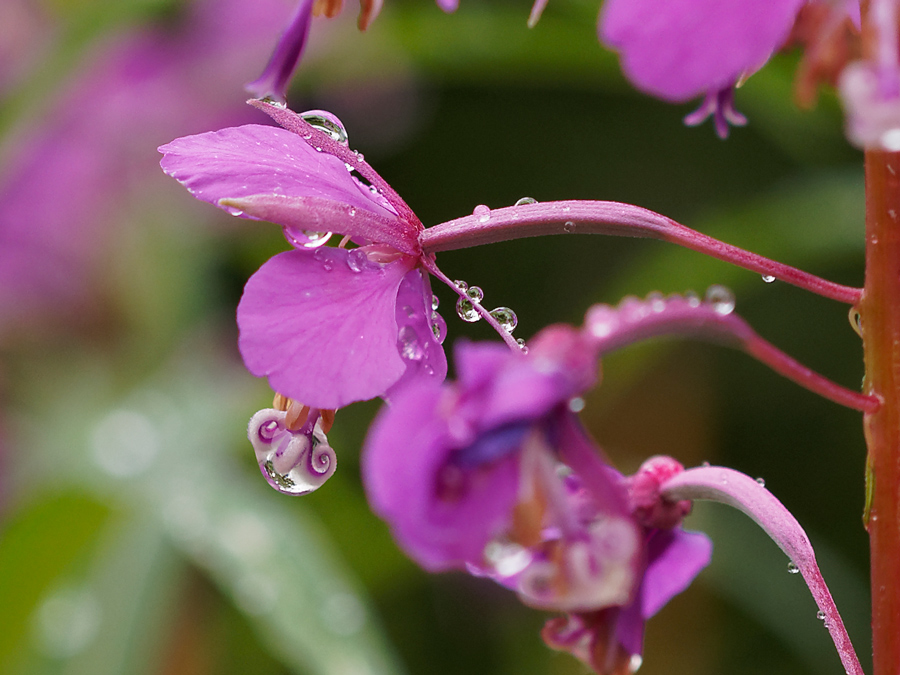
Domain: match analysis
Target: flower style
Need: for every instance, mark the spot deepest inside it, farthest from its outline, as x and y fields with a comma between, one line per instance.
x=328, y=326
x=495, y=475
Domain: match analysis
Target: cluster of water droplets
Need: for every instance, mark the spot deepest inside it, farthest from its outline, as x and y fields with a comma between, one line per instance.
x=467, y=308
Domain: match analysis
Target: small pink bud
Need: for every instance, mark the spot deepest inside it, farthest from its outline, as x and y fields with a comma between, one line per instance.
x=648, y=505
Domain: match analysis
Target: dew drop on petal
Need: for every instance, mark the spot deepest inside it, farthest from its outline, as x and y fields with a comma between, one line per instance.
x=408, y=344
x=792, y=568
x=438, y=327
x=526, y=200
x=356, y=260
x=326, y=123
x=435, y=302
x=506, y=318
x=721, y=299
x=325, y=259
x=483, y=212
x=768, y=278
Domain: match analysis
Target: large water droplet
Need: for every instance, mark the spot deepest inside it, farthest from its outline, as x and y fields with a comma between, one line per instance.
x=438, y=327
x=409, y=345
x=792, y=568
x=526, y=200
x=356, y=260
x=483, y=212
x=293, y=463
x=506, y=318
x=721, y=299
x=466, y=311
x=327, y=123
x=306, y=238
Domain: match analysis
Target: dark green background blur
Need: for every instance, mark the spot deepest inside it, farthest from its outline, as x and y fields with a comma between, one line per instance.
x=454, y=111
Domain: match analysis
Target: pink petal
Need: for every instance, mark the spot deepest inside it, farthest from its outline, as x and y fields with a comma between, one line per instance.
x=679, y=49
x=323, y=333
x=254, y=159
x=675, y=558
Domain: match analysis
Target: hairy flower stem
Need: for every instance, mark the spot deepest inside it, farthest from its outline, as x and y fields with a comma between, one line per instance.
x=613, y=218
x=879, y=311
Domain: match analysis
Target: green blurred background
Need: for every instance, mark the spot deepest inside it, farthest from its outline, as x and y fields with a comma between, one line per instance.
x=137, y=535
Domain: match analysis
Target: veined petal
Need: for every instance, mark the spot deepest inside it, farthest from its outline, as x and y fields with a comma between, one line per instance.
x=322, y=327
x=254, y=159
x=325, y=215
x=679, y=49
x=674, y=558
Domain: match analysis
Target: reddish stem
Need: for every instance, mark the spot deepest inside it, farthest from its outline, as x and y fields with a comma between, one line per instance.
x=613, y=218
x=880, y=326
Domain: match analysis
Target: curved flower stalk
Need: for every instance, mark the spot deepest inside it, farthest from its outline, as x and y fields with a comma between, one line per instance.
x=687, y=48
x=744, y=493
x=494, y=475
x=273, y=81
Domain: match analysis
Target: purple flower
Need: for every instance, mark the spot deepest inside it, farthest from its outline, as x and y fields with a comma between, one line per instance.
x=327, y=326
x=494, y=474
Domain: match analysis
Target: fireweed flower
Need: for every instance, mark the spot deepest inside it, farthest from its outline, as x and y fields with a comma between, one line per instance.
x=494, y=474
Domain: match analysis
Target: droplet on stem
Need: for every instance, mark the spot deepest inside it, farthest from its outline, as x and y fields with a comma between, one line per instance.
x=327, y=123
x=506, y=318
x=525, y=200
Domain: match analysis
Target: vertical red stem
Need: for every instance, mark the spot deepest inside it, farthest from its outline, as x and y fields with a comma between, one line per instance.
x=880, y=319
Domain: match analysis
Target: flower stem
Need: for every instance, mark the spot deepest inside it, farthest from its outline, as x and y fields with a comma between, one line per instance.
x=879, y=311
x=617, y=219
x=731, y=487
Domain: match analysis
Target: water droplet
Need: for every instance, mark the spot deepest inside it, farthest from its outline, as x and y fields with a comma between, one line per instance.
x=409, y=311
x=275, y=102
x=890, y=140
x=323, y=257
x=507, y=558
x=761, y=482
x=522, y=345
x=327, y=123
x=408, y=344
x=293, y=463
x=356, y=260
x=466, y=311
x=351, y=211
x=483, y=212
x=768, y=278
x=635, y=663
x=125, y=443
x=792, y=568
x=438, y=327
x=306, y=238
x=820, y=615
x=705, y=464
x=576, y=404
x=525, y=200
x=569, y=227
x=67, y=622
x=435, y=302
x=460, y=284
x=506, y=318
x=657, y=301
x=692, y=299
x=721, y=299
x=475, y=294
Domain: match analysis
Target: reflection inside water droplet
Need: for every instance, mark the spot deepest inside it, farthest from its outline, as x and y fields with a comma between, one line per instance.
x=327, y=123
